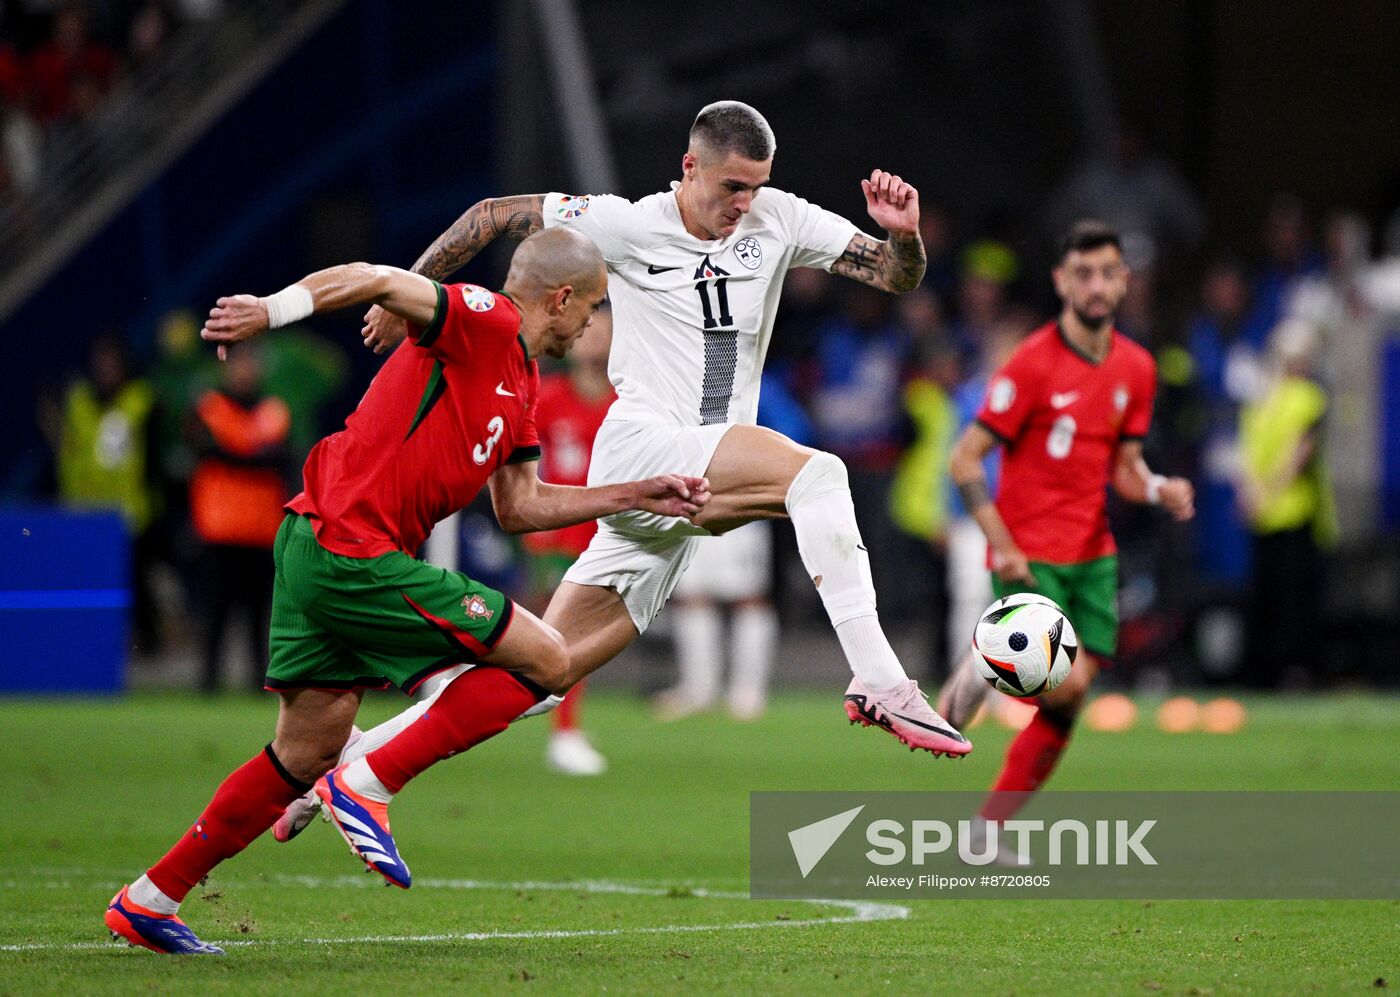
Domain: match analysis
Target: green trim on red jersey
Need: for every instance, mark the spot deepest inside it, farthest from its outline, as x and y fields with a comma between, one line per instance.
x=1069, y=345
x=519, y=311
x=434, y=328
x=1001, y=438
x=521, y=455
x=432, y=393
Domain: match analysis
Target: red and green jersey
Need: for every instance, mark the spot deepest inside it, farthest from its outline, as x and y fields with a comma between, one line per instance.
x=1060, y=417
x=568, y=424
x=441, y=416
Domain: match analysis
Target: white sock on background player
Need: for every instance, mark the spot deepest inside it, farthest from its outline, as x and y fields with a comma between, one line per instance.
x=752, y=642
x=699, y=652
x=828, y=539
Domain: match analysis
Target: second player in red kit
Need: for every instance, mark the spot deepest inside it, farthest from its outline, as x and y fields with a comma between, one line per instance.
x=1060, y=416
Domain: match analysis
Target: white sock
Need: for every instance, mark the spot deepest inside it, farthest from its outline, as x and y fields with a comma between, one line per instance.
x=828, y=539
x=699, y=631
x=754, y=637
x=870, y=654
x=146, y=894
x=377, y=737
x=361, y=778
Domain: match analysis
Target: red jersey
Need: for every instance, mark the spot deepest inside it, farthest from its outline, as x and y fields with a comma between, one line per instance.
x=439, y=418
x=568, y=424
x=1060, y=417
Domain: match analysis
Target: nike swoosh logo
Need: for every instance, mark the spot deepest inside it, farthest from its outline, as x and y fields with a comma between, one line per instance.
x=946, y=732
x=501, y=390
x=654, y=270
x=1061, y=399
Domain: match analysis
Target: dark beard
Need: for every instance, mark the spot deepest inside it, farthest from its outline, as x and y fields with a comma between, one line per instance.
x=1093, y=324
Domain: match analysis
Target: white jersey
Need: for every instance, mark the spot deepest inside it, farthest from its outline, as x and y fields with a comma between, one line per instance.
x=692, y=317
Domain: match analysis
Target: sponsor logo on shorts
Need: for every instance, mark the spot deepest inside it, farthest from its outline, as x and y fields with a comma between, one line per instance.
x=750, y=253
x=478, y=299
x=476, y=608
x=571, y=207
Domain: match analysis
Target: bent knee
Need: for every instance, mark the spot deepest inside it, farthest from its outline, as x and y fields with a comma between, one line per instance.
x=824, y=472
x=552, y=660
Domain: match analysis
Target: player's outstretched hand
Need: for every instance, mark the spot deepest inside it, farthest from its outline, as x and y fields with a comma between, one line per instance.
x=383, y=330
x=1178, y=498
x=892, y=203
x=672, y=495
x=233, y=320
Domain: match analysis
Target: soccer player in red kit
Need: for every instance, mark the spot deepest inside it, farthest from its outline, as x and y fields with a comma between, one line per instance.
x=1069, y=410
x=352, y=607
x=573, y=405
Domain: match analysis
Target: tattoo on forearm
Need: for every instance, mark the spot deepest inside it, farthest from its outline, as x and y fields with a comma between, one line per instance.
x=862, y=258
x=974, y=494
x=904, y=262
x=517, y=217
x=895, y=265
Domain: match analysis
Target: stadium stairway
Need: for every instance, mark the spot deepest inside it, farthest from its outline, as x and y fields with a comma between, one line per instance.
x=92, y=173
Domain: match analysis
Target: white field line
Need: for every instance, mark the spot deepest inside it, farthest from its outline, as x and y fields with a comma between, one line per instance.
x=860, y=911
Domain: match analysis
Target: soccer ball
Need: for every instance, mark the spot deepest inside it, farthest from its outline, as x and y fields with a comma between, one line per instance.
x=1024, y=645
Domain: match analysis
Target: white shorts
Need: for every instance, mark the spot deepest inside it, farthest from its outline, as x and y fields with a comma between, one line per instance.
x=640, y=555
x=732, y=567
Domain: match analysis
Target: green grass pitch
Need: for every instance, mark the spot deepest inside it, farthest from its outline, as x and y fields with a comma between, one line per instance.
x=634, y=882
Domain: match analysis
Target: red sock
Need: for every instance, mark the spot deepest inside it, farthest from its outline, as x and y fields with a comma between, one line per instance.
x=1029, y=761
x=566, y=713
x=245, y=805
x=476, y=705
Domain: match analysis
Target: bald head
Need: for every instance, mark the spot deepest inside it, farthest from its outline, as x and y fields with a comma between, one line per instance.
x=555, y=258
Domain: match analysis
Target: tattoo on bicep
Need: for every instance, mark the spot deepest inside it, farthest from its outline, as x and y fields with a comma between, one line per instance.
x=974, y=494
x=517, y=217
x=895, y=265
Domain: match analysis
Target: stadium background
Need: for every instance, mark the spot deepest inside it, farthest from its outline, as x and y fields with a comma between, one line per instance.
x=205, y=147
x=276, y=138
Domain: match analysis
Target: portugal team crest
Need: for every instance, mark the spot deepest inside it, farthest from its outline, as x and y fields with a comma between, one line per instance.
x=1120, y=397
x=750, y=253
x=476, y=608
x=478, y=299
x=571, y=206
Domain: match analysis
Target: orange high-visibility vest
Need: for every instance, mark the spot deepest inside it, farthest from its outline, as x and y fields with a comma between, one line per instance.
x=233, y=503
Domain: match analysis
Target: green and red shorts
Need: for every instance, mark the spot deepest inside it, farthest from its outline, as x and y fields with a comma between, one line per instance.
x=349, y=622
x=1087, y=592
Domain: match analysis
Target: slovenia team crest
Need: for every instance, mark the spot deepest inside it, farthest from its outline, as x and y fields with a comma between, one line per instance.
x=750, y=253
x=478, y=299
x=476, y=608
x=571, y=206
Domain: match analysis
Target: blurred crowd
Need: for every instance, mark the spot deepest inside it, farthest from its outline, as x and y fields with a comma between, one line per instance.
x=1270, y=399
x=64, y=67
x=198, y=457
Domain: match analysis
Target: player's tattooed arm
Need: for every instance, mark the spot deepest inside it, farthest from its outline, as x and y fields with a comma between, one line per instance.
x=516, y=217
x=895, y=265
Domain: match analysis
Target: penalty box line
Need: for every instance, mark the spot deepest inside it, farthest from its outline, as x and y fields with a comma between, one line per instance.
x=860, y=912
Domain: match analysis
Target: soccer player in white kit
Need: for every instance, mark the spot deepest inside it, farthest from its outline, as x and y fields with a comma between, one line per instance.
x=696, y=272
